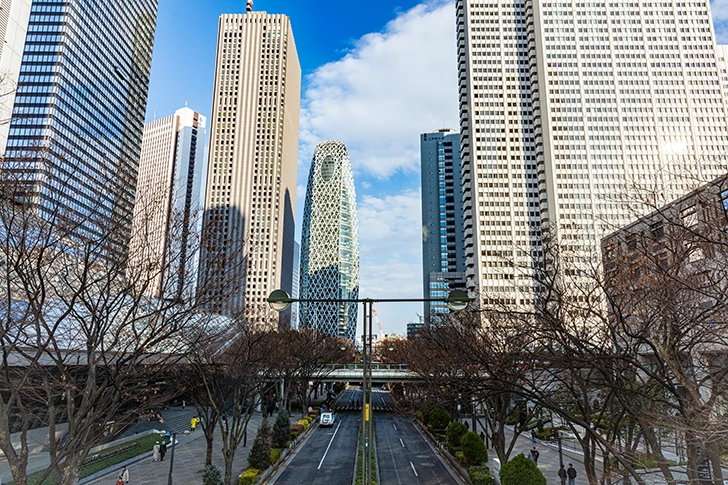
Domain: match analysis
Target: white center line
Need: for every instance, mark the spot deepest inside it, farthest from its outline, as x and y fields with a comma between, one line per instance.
x=400, y=440
x=413, y=469
x=327, y=448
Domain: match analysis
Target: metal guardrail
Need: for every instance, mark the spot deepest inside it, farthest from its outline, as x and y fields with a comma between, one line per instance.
x=402, y=367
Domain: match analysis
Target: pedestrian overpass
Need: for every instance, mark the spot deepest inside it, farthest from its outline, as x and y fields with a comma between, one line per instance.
x=354, y=373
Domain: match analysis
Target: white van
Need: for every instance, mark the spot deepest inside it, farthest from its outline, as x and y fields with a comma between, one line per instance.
x=327, y=419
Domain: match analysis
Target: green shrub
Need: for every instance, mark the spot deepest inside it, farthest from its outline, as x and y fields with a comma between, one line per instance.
x=212, y=475
x=281, y=429
x=455, y=431
x=303, y=423
x=473, y=448
x=460, y=457
x=480, y=475
x=338, y=387
x=438, y=418
x=521, y=471
x=546, y=433
x=249, y=477
x=259, y=456
x=275, y=455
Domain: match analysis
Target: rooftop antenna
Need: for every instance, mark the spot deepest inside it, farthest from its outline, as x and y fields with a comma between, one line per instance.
x=249, y=7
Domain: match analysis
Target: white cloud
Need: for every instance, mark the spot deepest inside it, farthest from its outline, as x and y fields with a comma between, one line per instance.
x=720, y=19
x=390, y=225
x=377, y=99
x=392, y=86
x=390, y=239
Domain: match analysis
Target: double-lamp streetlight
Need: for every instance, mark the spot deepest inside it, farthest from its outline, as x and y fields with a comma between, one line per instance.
x=456, y=300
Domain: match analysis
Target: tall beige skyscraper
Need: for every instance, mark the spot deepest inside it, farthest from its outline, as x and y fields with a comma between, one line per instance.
x=251, y=180
x=571, y=113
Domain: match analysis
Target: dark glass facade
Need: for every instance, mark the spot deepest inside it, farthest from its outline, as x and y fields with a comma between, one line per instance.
x=443, y=259
x=77, y=122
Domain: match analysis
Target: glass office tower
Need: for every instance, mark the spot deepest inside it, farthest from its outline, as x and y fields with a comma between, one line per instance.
x=77, y=122
x=330, y=244
x=443, y=258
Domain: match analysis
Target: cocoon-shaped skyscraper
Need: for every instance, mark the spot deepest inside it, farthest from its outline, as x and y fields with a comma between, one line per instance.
x=330, y=244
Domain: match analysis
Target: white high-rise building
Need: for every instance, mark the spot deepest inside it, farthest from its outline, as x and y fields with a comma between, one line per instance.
x=167, y=220
x=250, y=199
x=570, y=113
x=721, y=54
x=14, y=16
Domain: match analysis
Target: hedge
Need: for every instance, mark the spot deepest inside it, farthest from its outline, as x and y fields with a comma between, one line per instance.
x=521, y=471
x=249, y=476
x=473, y=448
x=454, y=432
x=480, y=475
x=275, y=455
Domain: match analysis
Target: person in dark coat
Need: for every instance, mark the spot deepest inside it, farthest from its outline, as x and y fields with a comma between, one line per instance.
x=162, y=450
x=562, y=475
x=571, y=473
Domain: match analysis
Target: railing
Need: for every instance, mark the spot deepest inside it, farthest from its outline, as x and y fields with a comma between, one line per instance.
x=394, y=367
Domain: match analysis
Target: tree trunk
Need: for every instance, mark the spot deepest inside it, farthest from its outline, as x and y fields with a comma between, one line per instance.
x=229, y=456
x=713, y=449
x=650, y=438
x=209, y=438
x=71, y=470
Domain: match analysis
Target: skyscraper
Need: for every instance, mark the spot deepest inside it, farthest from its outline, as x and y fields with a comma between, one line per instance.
x=77, y=121
x=330, y=243
x=572, y=114
x=295, y=280
x=167, y=222
x=443, y=258
x=251, y=178
x=14, y=15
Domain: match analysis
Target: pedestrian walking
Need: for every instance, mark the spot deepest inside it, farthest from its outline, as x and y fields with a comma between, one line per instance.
x=162, y=450
x=534, y=455
x=571, y=473
x=533, y=435
x=193, y=422
x=184, y=404
x=155, y=450
x=562, y=475
x=123, y=476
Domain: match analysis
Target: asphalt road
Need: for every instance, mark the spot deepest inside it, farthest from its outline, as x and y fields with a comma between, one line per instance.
x=404, y=457
x=351, y=400
x=326, y=457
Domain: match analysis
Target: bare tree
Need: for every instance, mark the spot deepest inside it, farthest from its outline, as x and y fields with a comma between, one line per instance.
x=83, y=345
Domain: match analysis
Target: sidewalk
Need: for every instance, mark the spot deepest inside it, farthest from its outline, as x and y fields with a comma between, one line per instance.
x=189, y=456
x=189, y=459
x=548, y=461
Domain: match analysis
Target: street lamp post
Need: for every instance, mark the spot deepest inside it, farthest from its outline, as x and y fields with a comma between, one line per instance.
x=279, y=301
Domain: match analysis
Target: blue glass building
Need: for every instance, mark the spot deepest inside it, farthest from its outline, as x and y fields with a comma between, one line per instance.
x=330, y=244
x=76, y=126
x=443, y=256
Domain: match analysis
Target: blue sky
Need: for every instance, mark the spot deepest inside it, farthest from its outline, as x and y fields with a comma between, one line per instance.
x=376, y=75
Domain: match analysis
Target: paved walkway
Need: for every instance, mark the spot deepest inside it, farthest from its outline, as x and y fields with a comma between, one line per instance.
x=548, y=461
x=189, y=459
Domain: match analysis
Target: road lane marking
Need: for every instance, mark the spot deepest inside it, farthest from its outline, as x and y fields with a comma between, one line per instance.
x=327, y=448
x=395, y=426
x=400, y=440
x=413, y=469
